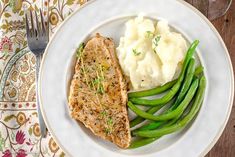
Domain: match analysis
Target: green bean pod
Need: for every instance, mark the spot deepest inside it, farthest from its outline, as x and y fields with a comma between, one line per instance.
x=139, y=119
x=144, y=141
x=166, y=98
x=199, y=70
x=187, y=82
x=141, y=142
x=182, y=123
x=150, y=126
x=153, y=91
x=155, y=125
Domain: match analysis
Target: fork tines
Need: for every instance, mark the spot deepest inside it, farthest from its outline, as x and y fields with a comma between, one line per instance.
x=36, y=28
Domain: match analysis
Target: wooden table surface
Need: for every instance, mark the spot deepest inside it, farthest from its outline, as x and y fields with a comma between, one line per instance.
x=225, y=147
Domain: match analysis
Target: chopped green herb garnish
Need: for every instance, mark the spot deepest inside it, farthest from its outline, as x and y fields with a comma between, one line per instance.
x=109, y=121
x=80, y=49
x=135, y=52
x=100, y=90
x=107, y=130
x=103, y=113
x=99, y=84
x=149, y=34
x=156, y=40
x=98, y=80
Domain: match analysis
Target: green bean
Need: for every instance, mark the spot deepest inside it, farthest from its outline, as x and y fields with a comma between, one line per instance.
x=139, y=119
x=152, y=91
x=187, y=82
x=199, y=70
x=179, y=110
x=150, y=126
x=155, y=125
x=182, y=123
x=142, y=142
x=166, y=98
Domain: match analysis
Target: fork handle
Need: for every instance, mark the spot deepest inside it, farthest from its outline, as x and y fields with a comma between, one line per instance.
x=41, y=121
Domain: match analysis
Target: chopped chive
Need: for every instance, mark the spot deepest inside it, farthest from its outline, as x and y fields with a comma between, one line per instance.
x=135, y=52
x=156, y=40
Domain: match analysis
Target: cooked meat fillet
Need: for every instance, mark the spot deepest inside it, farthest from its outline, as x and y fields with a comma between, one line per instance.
x=98, y=92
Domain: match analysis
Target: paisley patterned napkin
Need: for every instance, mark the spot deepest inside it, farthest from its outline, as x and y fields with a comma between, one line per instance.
x=19, y=129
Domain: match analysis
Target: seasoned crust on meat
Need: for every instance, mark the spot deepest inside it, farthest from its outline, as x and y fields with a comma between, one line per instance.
x=98, y=92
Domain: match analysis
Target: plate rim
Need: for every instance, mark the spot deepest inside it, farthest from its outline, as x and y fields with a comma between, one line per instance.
x=220, y=131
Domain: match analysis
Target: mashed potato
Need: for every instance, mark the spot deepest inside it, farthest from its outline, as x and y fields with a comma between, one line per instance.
x=150, y=53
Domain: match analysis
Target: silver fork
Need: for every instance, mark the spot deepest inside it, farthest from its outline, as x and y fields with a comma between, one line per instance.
x=37, y=38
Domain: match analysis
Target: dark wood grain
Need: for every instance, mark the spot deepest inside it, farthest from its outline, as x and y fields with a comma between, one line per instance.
x=202, y=5
x=225, y=147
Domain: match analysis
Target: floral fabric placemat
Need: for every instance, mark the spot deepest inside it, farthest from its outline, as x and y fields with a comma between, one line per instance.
x=19, y=129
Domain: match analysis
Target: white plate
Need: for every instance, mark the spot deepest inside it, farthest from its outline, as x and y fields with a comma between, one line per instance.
x=108, y=17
